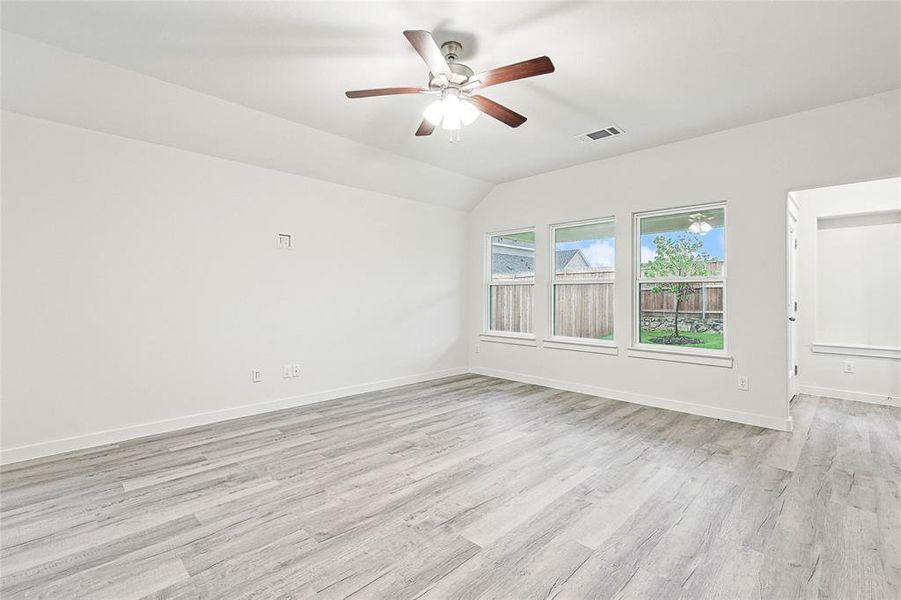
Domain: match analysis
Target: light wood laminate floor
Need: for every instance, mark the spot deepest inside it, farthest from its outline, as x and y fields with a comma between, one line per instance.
x=468, y=487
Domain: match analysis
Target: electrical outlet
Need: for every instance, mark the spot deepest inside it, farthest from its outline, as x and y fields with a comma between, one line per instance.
x=256, y=375
x=295, y=371
x=284, y=241
x=848, y=366
x=286, y=371
x=744, y=383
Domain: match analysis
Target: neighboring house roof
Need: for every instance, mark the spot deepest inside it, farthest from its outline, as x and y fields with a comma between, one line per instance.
x=511, y=264
x=563, y=258
x=571, y=259
x=515, y=264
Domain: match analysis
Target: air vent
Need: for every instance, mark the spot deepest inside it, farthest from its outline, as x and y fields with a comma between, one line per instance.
x=600, y=134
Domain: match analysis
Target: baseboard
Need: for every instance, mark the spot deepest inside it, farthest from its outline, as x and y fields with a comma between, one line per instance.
x=666, y=403
x=112, y=436
x=850, y=395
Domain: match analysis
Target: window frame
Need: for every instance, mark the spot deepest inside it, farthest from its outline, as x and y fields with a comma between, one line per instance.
x=715, y=357
x=561, y=342
x=492, y=335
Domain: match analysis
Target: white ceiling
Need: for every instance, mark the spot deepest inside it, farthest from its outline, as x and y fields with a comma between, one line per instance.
x=661, y=71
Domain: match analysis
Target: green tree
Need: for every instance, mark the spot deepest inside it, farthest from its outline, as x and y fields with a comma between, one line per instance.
x=677, y=258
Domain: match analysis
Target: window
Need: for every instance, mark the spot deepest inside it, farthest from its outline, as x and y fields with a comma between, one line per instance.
x=582, y=284
x=511, y=278
x=681, y=278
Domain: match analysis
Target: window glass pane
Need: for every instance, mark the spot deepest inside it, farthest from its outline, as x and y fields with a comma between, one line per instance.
x=510, y=308
x=688, y=315
x=687, y=244
x=584, y=310
x=513, y=257
x=584, y=251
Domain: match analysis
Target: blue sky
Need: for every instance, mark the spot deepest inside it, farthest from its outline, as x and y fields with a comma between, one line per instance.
x=601, y=252
x=713, y=243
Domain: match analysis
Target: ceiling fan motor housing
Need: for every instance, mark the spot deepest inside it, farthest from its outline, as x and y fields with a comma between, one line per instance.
x=459, y=73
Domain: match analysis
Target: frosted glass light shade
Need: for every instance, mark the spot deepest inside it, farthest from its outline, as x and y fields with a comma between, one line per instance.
x=451, y=112
x=451, y=122
x=434, y=112
x=700, y=227
x=468, y=112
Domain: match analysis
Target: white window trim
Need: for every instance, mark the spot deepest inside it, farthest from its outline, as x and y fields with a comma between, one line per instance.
x=580, y=345
x=507, y=337
x=558, y=342
x=504, y=337
x=697, y=356
x=703, y=356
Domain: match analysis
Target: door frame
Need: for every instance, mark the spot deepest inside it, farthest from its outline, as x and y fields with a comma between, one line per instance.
x=792, y=219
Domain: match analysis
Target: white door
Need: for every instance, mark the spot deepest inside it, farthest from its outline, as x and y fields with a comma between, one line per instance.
x=792, y=299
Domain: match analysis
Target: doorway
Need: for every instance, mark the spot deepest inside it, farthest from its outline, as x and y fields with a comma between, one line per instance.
x=843, y=289
x=792, y=220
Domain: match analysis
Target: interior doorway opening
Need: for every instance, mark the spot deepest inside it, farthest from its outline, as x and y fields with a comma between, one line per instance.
x=843, y=292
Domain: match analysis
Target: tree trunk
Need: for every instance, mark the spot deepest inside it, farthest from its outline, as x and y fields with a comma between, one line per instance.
x=676, y=315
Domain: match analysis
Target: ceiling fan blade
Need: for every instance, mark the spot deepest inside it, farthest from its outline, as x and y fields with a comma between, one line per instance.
x=521, y=70
x=498, y=111
x=425, y=128
x=384, y=92
x=425, y=45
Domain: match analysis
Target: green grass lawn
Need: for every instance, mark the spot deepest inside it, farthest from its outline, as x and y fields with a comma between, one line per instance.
x=713, y=341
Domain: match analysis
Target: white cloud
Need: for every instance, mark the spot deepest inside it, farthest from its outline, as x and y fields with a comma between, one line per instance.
x=647, y=254
x=600, y=254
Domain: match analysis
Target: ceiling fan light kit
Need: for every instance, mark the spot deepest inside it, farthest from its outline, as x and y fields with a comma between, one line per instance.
x=451, y=112
x=699, y=224
x=458, y=105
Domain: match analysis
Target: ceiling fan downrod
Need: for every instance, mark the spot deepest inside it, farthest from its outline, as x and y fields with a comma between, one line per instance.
x=451, y=50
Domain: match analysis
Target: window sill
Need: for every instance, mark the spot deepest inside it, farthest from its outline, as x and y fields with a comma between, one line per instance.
x=581, y=345
x=681, y=356
x=501, y=337
x=857, y=350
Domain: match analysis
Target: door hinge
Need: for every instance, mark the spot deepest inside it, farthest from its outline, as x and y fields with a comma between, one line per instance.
x=796, y=242
x=796, y=306
x=796, y=369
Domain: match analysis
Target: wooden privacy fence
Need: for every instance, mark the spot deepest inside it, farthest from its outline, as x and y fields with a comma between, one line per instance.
x=511, y=308
x=707, y=301
x=583, y=310
x=580, y=310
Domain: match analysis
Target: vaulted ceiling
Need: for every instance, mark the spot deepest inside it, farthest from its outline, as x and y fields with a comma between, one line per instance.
x=660, y=71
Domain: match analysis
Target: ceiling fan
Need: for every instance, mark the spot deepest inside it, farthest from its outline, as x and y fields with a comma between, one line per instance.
x=455, y=85
x=700, y=223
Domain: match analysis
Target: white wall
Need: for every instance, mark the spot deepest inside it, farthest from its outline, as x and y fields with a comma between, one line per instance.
x=849, y=290
x=142, y=284
x=750, y=168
